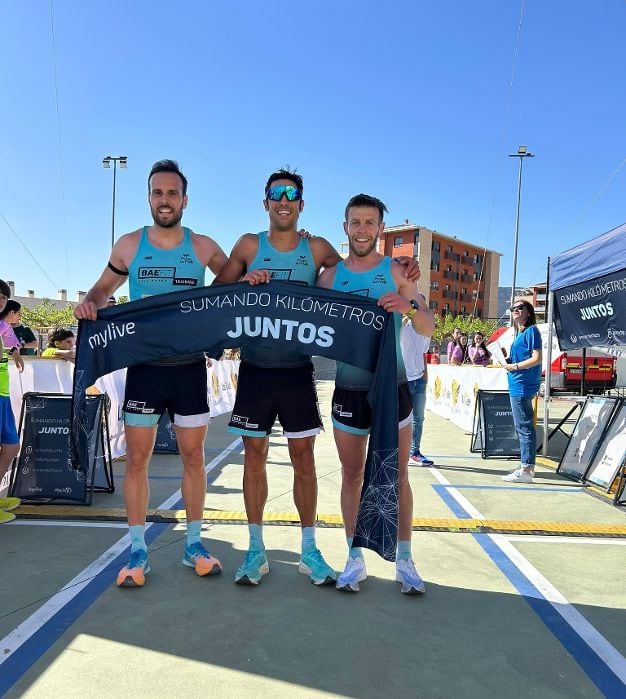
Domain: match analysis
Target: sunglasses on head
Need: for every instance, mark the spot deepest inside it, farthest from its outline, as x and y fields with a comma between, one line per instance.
x=518, y=308
x=276, y=193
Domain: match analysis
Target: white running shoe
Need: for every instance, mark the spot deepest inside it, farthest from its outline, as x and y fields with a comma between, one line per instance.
x=353, y=574
x=518, y=476
x=412, y=583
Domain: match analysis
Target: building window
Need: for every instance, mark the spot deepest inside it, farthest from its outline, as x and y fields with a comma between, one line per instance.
x=434, y=266
x=446, y=307
x=397, y=241
x=433, y=305
x=464, y=290
x=434, y=285
x=448, y=268
x=477, y=258
x=436, y=245
x=463, y=311
x=465, y=253
x=476, y=275
x=416, y=239
x=449, y=248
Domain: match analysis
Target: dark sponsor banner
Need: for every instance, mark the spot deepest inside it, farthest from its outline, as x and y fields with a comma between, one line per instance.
x=592, y=313
x=494, y=431
x=280, y=316
x=166, y=442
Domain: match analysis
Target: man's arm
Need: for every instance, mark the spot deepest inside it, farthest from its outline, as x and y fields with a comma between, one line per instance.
x=113, y=276
x=209, y=252
x=326, y=278
x=324, y=253
x=423, y=321
x=240, y=257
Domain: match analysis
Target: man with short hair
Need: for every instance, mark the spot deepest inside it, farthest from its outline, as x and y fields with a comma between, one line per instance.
x=9, y=438
x=367, y=272
x=275, y=384
x=12, y=314
x=158, y=259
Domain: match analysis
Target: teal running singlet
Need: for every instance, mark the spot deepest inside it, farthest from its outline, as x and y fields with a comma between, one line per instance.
x=296, y=266
x=155, y=271
x=372, y=283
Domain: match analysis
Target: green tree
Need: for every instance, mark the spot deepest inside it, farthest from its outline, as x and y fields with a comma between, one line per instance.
x=122, y=299
x=47, y=315
x=468, y=324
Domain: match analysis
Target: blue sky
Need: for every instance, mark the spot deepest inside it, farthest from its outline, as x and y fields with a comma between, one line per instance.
x=408, y=101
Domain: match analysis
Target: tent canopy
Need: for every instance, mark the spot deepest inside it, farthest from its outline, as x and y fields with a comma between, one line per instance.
x=595, y=258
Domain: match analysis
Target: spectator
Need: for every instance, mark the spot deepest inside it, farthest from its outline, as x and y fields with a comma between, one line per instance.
x=26, y=337
x=478, y=354
x=434, y=357
x=60, y=345
x=451, y=345
x=458, y=356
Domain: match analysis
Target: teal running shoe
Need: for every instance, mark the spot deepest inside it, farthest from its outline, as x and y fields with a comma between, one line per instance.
x=198, y=558
x=253, y=568
x=134, y=574
x=313, y=564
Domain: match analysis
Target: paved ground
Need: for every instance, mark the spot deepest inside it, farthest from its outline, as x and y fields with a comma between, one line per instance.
x=505, y=614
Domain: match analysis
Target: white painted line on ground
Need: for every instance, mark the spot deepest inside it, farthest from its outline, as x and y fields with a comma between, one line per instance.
x=13, y=640
x=66, y=523
x=609, y=654
x=565, y=540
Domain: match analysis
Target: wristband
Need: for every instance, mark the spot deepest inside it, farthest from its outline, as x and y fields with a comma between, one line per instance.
x=412, y=311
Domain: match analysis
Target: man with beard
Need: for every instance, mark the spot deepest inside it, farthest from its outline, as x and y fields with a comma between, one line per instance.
x=371, y=274
x=158, y=259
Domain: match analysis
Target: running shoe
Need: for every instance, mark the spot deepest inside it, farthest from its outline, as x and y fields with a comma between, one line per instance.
x=8, y=504
x=406, y=574
x=253, y=568
x=353, y=574
x=418, y=459
x=197, y=557
x=134, y=574
x=6, y=517
x=518, y=476
x=313, y=564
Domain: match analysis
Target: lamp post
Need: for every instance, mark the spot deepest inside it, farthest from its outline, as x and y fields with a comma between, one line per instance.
x=522, y=152
x=106, y=162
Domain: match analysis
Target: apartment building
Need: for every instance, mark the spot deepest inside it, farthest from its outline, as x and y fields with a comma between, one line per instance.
x=458, y=277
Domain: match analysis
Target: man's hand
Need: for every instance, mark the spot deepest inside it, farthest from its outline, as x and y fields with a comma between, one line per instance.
x=87, y=310
x=412, y=271
x=305, y=234
x=394, y=303
x=257, y=276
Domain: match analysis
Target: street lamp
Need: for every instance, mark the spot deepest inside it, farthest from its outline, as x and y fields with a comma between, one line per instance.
x=106, y=162
x=522, y=153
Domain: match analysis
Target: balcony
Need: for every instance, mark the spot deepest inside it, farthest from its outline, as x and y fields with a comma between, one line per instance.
x=451, y=275
x=450, y=294
x=467, y=278
x=451, y=255
x=467, y=260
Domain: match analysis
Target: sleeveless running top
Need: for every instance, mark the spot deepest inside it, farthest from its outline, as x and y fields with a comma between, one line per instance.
x=296, y=266
x=155, y=271
x=373, y=283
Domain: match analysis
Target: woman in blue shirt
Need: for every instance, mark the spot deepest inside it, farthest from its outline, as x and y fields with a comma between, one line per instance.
x=524, y=375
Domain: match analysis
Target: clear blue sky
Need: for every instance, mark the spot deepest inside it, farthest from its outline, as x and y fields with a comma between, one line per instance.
x=404, y=100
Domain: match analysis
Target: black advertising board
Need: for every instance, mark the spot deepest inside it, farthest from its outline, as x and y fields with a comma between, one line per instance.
x=495, y=433
x=44, y=471
x=166, y=436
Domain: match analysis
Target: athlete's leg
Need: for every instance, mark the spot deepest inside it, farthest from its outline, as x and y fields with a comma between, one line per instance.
x=191, y=447
x=304, y=478
x=255, y=477
x=139, y=446
x=7, y=453
x=352, y=452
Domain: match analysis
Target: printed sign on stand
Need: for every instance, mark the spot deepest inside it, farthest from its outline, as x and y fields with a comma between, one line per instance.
x=611, y=452
x=494, y=432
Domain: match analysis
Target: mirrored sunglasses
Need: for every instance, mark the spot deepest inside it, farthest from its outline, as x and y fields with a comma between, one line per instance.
x=276, y=193
x=517, y=308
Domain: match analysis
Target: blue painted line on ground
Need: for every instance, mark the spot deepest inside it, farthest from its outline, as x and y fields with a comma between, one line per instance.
x=40, y=642
x=443, y=493
x=592, y=664
x=30, y=652
x=596, y=669
x=543, y=489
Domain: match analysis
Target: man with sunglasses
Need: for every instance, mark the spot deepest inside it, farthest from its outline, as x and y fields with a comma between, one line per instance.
x=158, y=259
x=365, y=271
x=279, y=385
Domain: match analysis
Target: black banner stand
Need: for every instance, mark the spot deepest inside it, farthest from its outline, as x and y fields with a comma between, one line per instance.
x=494, y=433
x=43, y=473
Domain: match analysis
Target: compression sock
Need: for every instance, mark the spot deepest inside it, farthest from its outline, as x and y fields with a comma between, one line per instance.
x=193, y=531
x=256, y=537
x=353, y=552
x=404, y=551
x=137, y=541
x=308, y=538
